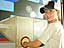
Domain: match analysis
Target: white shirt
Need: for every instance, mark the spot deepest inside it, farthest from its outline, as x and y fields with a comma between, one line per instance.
x=51, y=35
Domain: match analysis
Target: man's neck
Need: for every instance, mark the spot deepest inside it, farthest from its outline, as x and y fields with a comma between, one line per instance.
x=52, y=21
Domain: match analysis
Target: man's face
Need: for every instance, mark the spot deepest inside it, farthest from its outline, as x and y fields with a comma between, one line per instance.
x=50, y=14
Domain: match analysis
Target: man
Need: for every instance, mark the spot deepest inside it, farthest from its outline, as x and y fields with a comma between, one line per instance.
x=50, y=38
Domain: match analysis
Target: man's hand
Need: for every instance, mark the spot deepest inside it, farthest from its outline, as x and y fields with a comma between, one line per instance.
x=33, y=44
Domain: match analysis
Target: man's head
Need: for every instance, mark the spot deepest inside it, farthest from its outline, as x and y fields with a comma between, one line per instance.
x=49, y=12
x=50, y=5
x=50, y=15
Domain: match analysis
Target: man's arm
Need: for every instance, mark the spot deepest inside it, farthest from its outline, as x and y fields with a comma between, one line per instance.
x=35, y=43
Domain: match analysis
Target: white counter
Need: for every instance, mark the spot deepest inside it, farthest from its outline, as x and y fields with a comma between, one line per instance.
x=7, y=45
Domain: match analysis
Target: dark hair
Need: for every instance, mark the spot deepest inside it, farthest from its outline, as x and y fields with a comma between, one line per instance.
x=42, y=10
x=50, y=5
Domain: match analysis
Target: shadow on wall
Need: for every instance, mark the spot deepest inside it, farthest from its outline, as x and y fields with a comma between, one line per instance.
x=5, y=14
x=20, y=7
